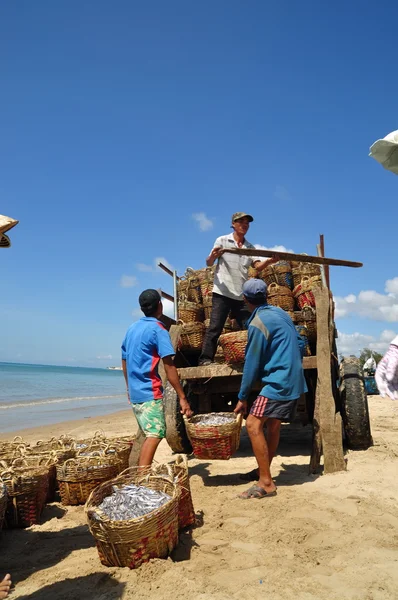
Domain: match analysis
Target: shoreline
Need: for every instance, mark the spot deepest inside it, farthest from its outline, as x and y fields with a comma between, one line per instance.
x=120, y=422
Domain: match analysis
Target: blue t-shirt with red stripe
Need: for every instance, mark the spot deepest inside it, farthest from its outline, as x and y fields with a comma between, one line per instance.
x=145, y=343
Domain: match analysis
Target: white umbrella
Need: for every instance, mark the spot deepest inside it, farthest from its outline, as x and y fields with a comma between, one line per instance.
x=6, y=223
x=385, y=151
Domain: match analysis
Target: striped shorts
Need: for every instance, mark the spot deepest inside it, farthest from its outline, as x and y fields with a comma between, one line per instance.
x=283, y=410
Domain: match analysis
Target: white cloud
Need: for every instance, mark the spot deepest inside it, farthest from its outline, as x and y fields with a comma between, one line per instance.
x=353, y=343
x=128, y=281
x=137, y=313
x=204, y=223
x=275, y=248
x=281, y=193
x=168, y=309
x=105, y=357
x=154, y=268
x=370, y=304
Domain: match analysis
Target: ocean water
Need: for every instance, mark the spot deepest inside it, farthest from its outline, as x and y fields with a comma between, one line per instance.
x=34, y=395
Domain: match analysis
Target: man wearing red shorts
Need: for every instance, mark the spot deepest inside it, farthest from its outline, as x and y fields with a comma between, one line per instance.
x=274, y=356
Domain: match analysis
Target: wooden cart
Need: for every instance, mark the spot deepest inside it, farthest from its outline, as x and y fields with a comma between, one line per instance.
x=336, y=402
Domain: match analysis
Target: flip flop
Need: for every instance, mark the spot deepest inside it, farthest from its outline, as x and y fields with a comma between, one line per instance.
x=250, y=476
x=255, y=491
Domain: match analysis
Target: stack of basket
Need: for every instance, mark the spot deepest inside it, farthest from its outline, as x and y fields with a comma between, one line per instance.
x=290, y=286
x=27, y=489
x=3, y=502
x=129, y=543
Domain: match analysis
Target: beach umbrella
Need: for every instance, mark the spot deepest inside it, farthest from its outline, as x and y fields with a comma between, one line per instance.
x=6, y=223
x=385, y=151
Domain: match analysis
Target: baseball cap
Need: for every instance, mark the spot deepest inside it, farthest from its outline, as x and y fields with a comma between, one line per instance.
x=254, y=289
x=149, y=300
x=240, y=215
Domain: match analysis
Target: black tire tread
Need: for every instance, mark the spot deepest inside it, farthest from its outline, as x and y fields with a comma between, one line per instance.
x=354, y=405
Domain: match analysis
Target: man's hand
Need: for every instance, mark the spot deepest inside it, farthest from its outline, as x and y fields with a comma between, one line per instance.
x=241, y=407
x=216, y=252
x=185, y=408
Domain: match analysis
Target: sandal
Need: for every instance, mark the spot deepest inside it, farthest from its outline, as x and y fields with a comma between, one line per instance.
x=255, y=491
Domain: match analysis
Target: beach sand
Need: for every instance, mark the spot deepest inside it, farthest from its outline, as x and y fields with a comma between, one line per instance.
x=329, y=537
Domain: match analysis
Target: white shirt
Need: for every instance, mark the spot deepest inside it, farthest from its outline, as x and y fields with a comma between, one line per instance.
x=232, y=269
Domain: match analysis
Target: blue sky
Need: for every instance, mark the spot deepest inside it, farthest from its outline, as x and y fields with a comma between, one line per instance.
x=121, y=121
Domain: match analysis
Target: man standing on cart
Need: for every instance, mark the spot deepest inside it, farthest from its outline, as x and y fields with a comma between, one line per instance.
x=230, y=275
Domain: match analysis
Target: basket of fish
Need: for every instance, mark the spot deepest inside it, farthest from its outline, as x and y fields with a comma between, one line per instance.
x=214, y=435
x=178, y=472
x=134, y=518
x=77, y=477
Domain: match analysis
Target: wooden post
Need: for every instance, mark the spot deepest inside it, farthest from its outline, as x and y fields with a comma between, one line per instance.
x=328, y=434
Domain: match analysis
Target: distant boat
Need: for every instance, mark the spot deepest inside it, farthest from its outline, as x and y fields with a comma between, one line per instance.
x=114, y=368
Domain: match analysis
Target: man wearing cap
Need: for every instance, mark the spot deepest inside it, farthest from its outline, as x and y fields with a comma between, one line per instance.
x=230, y=275
x=146, y=342
x=274, y=354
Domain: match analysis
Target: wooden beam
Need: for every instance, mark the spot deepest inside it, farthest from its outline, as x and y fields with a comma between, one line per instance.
x=224, y=370
x=326, y=267
x=166, y=269
x=327, y=422
x=167, y=296
x=318, y=260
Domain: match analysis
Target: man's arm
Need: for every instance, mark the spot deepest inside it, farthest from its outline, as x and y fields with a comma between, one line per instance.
x=301, y=344
x=172, y=376
x=124, y=367
x=215, y=253
x=260, y=265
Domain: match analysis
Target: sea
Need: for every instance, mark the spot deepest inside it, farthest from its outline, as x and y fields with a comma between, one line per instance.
x=34, y=395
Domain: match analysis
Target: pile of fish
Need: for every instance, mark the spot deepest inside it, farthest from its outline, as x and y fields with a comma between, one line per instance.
x=212, y=420
x=132, y=501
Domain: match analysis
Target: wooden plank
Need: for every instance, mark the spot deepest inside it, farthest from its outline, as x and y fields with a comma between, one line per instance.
x=326, y=418
x=167, y=296
x=224, y=370
x=166, y=269
x=319, y=260
x=326, y=267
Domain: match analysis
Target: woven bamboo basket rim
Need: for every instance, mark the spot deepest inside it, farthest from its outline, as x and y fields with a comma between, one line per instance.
x=86, y=468
x=274, y=289
x=21, y=481
x=207, y=301
x=306, y=285
x=192, y=327
x=188, y=305
x=233, y=336
x=208, y=431
x=308, y=313
x=100, y=521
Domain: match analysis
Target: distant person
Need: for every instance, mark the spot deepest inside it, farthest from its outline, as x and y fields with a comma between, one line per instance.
x=230, y=275
x=146, y=342
x=274, y=356
x=5, y=585
x=387, y=372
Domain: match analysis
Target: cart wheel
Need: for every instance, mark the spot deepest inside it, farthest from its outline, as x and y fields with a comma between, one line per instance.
x=354, y=405
x=176, y=434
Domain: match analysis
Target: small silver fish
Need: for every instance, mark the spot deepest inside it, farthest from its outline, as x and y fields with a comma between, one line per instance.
x=132, y=501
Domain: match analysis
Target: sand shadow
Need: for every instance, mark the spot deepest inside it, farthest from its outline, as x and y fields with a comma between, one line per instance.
x=183, y=550
x=41, y=549
x=52, y=511
x=95, y=585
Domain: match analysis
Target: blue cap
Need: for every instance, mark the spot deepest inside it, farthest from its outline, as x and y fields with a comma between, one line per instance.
x=255, y=288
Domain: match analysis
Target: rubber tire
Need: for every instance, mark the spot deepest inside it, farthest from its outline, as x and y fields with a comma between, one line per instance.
x=354, y=405
x=176, y=434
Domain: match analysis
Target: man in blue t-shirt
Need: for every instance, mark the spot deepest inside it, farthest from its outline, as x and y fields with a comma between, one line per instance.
x=146, y=342
x=273, y=356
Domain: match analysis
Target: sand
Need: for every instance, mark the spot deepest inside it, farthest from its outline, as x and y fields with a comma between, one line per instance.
x=329, y=537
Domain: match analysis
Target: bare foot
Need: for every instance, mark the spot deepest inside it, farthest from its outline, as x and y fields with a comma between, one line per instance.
x=5, y=585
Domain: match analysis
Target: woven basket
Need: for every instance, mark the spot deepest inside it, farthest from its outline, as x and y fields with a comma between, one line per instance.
x=303, y=269
x=303, y=292
x=219, y=356
x=56, y=448
x=27, y=490
x=268, y=275
x=207, y=306
x=214, y=442
x=234, y=346
x=189, y=312
x=194, y=292
x=45, y=462
x=178, y=472
x=77, y=477
x=182, y=289
x=307, y=317
x=6, y=446
x=135, y=541
x=3, y=502
x=303, y=332
x=281, y=296
x=116, y=449
x=192, y=336
x=283, y=273
x=206, y=288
